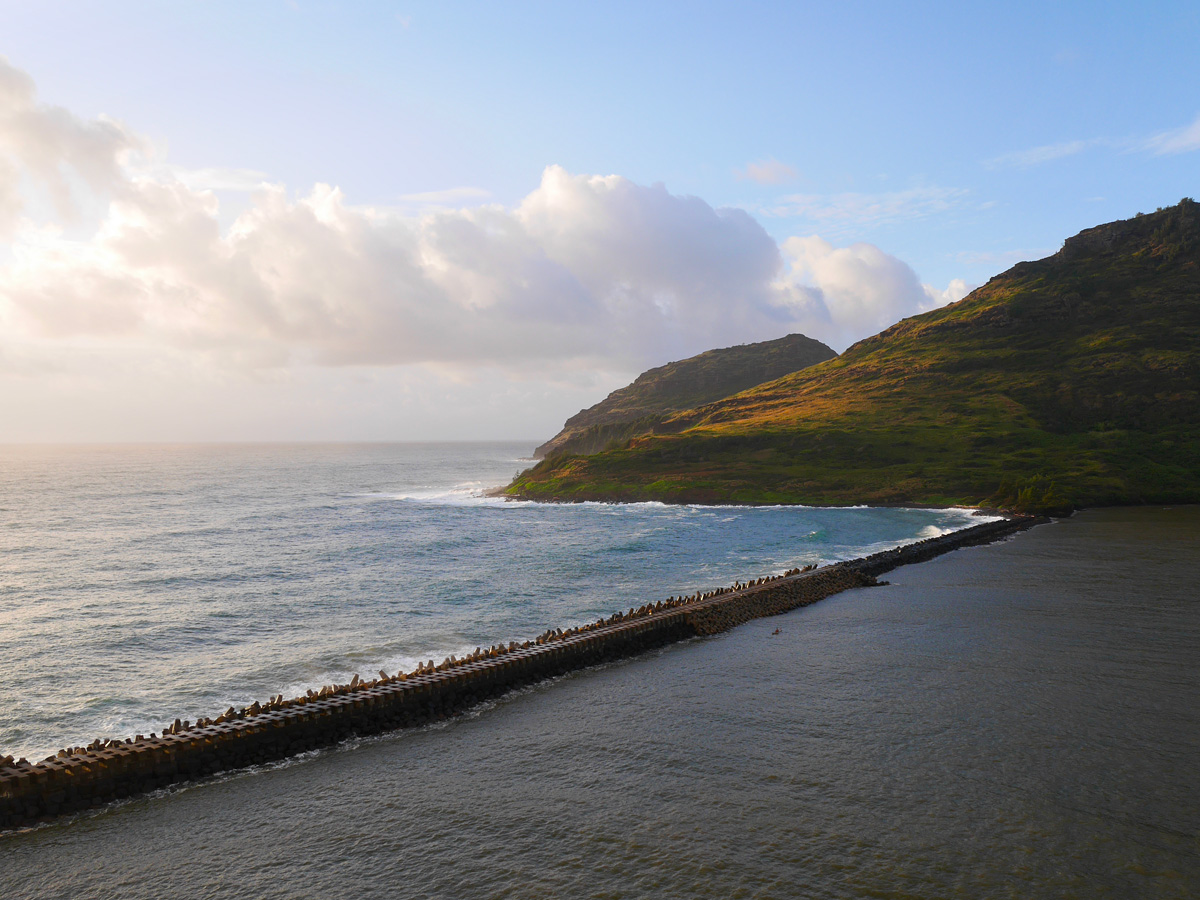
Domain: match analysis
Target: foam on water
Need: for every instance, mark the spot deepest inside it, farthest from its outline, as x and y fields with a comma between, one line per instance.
x=469, y=494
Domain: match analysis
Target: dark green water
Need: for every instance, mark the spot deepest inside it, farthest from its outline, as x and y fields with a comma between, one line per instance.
x=1018, y=720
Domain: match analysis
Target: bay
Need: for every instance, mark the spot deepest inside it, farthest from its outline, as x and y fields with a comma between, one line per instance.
x=143, y=583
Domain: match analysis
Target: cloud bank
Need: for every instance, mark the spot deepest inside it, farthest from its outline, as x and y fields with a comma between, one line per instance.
x=106, y=249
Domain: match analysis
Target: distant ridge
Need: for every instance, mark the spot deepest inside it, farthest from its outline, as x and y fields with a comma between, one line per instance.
x=681, y=385
x=1070, y=381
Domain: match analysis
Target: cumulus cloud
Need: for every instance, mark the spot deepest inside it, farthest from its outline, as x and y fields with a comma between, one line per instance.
x=955, y=291
x=583, y=267
x=47, y=147
x=860, y=289
x=585, y=271
x=767, y=171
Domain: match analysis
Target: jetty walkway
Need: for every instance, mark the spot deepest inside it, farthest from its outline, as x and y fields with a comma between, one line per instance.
x=108, y=770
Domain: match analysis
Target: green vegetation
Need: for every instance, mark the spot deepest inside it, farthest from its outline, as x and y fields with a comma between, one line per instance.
x=638, y=408
x=1071, y=381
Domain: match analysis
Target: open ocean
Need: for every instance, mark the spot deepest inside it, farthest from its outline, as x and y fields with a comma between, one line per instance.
x=138, y=584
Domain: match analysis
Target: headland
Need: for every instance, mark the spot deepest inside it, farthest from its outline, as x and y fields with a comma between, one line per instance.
x=1062, y=383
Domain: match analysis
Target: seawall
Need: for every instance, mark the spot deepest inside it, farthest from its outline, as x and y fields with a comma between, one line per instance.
x=79, y=778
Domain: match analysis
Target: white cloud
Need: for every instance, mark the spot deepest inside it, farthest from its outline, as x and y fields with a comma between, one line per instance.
x=839, y=212
x=1177, y=140
x=49, y=148
x=955, y=291
x=767, y=171
x=586, y=267
x=212, y=179
x=449, y=198
x=586, y=273
x=861, y=289
x=1035, y=156
x=1185, y=139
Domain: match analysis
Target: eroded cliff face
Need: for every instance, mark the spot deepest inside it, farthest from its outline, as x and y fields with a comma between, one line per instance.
x=640, y=407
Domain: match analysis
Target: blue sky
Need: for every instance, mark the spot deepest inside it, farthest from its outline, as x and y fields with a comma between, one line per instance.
x=944, y=141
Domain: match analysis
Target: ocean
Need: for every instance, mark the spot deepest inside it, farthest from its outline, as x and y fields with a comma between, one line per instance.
x=143, y=583
x=1010, y=721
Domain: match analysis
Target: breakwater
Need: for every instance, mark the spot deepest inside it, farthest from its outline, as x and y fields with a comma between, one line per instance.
x=107, y=770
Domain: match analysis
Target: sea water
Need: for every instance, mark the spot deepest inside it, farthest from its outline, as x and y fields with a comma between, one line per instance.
x=143, y=583
x=1010, y=721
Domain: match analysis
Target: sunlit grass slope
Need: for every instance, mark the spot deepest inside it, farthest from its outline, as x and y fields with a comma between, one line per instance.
x=1070, y=381
x=685, y=384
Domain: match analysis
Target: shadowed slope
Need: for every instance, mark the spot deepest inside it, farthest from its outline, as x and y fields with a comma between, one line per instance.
x=1074, y=380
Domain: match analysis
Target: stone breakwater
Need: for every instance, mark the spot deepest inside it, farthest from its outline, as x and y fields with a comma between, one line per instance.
x=107, y=770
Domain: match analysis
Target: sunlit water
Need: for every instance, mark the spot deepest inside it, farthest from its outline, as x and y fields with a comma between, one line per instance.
x=1010, y=721
x=138, y=584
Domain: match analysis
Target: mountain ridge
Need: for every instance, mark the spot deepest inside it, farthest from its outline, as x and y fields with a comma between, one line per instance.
x=1062, y=382
x=683, y=384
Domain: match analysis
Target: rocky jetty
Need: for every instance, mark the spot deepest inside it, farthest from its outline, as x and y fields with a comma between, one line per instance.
x=108, y=769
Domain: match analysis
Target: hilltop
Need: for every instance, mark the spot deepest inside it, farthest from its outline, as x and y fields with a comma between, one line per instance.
x=681, y=385
x=1070, y=381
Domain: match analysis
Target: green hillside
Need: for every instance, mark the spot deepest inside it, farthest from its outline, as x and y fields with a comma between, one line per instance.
x=1071, y=381
x=681, y=385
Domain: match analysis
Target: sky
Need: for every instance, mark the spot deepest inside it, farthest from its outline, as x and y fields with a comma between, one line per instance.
x=295, y=221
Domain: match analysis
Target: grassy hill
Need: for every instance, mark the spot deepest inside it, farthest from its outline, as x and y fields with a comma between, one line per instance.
x=1071, y=381
x=635, y=408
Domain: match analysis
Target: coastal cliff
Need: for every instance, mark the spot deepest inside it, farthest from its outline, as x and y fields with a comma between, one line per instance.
x=1070, y=381
x=639, y=407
